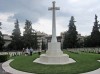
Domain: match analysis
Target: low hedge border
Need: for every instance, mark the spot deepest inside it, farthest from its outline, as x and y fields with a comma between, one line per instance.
x=4, y=58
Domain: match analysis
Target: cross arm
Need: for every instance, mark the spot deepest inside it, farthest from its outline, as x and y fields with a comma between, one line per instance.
x=51, y=8
x=57, y=8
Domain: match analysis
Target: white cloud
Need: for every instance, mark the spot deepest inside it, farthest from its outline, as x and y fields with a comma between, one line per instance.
x=73, y=1
x=4, y=16
x=43, y=25
x=6, y=26
x=22, y=30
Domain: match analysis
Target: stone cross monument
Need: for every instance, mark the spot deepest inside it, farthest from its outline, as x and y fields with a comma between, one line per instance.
x=54, y=55
x=53, y=21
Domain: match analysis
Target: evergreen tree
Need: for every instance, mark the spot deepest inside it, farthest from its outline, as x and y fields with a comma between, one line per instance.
x=1, y=39
x=35, y=40
x=43, y=45
x=95, y=34
x=70, y=39
x=29, y=36
x=16, y=37
x=87, y=41
x=80, y=43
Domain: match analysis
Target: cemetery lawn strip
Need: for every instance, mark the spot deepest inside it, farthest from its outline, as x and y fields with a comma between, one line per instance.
x=85, y=62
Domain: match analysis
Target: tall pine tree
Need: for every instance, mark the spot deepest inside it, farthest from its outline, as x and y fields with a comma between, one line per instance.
x=1, y=38
x=95, y=34
x=70, y=39
x=16, y=37
x=29, y=36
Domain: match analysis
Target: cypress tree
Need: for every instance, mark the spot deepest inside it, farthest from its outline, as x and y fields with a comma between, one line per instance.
x=95, y=34
x=16, y=37
x=70, y=39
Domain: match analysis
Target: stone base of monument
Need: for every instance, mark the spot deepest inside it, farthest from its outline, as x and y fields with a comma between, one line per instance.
x=64, y=59
x=54, y=55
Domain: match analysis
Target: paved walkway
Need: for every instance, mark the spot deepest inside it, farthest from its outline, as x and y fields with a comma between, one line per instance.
x=2, y=71
x=7, y=68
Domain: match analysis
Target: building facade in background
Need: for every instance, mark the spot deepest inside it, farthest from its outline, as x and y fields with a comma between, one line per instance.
x=43, y=37
x=7, y=39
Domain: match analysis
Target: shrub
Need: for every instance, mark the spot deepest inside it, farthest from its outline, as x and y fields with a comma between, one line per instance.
x=4, y=58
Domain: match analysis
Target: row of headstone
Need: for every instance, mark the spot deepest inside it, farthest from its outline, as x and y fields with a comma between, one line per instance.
x=11, y=53
x=89, y=50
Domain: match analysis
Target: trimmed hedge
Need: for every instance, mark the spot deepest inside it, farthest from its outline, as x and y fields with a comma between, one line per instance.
x=3, y=58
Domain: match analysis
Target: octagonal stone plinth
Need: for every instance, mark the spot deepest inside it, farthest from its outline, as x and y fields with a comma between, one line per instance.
x=54, y=55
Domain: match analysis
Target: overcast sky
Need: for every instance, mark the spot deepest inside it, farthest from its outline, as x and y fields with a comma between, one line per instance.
x=37, y=11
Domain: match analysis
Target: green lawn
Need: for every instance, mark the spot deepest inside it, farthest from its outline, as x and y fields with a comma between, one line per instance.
x=85, y=62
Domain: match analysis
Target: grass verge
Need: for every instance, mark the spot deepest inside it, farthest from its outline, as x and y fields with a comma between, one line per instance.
x=85, y=62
